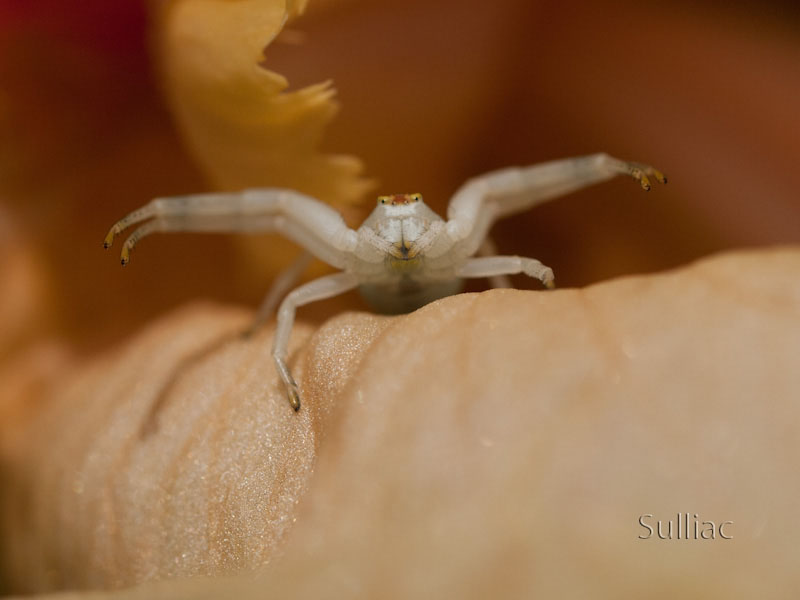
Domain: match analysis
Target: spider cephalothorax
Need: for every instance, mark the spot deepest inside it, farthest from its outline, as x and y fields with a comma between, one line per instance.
x=403, y=256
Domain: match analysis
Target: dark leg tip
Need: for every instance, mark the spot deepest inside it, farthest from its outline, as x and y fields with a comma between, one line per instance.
x=294, y=399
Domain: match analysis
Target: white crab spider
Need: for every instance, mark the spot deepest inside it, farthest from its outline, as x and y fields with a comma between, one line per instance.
x=402, y=257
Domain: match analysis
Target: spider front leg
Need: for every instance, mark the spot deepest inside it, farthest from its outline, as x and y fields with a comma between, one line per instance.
x=485, y=199
x=495, y=266
x=308, y=222
x=319, y=289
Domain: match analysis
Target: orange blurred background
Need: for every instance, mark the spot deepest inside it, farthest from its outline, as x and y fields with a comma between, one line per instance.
x=431, y=93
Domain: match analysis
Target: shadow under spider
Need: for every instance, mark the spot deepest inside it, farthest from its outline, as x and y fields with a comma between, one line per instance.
x=150, y=424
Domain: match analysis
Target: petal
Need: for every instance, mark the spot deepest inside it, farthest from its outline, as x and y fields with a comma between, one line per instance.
x=237, y=119
x=519, y=435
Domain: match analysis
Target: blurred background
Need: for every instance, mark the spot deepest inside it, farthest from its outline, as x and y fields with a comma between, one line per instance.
x=431, y=94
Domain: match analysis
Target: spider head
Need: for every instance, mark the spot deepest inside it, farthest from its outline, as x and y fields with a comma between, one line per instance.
x=401, y=221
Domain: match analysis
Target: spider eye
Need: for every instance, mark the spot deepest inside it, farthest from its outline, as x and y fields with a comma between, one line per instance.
x=381, y=199
x=416, y=197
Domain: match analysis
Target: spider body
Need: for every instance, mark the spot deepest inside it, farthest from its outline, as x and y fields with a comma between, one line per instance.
x=402, y=257
x=403, y=229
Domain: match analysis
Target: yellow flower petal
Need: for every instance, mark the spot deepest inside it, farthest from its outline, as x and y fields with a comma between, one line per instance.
x=237, y=119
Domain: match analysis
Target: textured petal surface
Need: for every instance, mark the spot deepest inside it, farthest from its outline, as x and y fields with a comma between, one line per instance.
x=503, y=443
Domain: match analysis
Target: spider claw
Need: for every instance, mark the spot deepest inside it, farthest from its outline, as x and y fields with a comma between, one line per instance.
x=548, y=279
x=642, y=173
x=294, y=398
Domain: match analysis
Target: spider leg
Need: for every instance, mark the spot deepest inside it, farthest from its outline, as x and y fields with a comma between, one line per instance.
x=319, y=289
x=493, y=266
x=167, y=224
x=278, y=289
x=311, y=224
x=308, y=222
x=489, y=248
x=481, y=201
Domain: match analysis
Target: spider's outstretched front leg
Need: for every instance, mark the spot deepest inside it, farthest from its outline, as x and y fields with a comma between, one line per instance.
x=485, y=199
x=310, y=223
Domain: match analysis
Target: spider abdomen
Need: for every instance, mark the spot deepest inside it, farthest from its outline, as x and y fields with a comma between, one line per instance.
x=405, y=294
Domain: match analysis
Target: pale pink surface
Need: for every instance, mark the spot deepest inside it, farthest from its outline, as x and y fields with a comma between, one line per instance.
x=502, y=443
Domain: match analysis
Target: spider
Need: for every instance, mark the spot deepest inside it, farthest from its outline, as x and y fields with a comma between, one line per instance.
x=402, y=257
